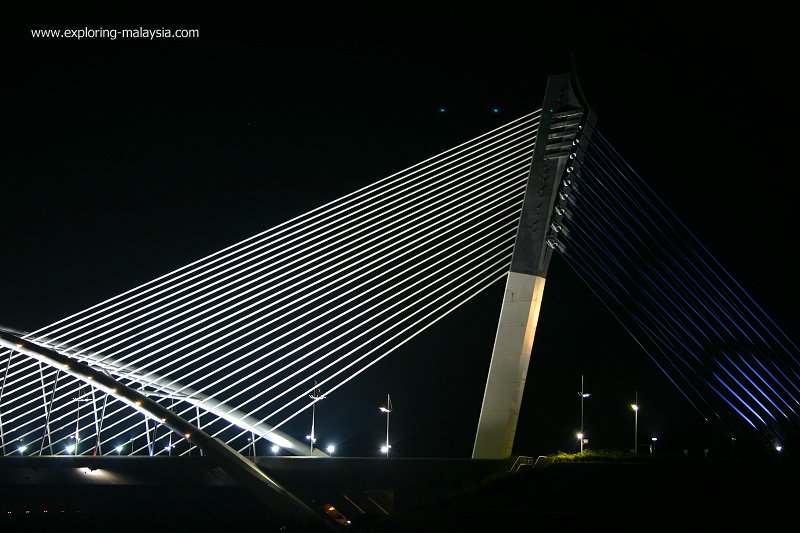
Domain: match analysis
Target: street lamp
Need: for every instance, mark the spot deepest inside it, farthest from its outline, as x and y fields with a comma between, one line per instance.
x=583, y=394
x=386, y=410
x=330, y=449
x=635, y=407
x=315, y=395
x=274, y=449
x=251, y=440
x=653, y=445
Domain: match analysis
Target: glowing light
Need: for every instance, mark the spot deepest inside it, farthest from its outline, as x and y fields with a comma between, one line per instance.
x=22, y=449
x=634, y=407
x=70, y=448
x=442, y=110
x=118, y=449
x=275, y=449
x=778, y=448
x=330, y=449
x=495, y=110
x=579, y=435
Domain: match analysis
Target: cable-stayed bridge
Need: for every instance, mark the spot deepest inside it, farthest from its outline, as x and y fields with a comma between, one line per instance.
x=233, y=343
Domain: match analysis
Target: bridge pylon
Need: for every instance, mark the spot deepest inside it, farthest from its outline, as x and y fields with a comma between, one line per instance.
x=554, y=163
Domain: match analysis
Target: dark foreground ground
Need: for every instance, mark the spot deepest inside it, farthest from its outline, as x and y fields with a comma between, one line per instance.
x=616, y=497
x=402, y=495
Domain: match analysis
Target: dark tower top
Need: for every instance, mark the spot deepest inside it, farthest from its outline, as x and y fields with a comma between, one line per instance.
x=561, y=127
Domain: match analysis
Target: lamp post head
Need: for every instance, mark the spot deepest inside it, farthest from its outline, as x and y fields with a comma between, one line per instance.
x=635, y=407
x=579, y=435
x=384, y=410
x=585, y=394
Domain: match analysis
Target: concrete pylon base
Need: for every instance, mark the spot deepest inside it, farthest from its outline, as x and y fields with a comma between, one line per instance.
x=509, y=366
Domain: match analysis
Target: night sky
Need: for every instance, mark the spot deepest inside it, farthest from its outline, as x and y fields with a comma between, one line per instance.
x=126, y=159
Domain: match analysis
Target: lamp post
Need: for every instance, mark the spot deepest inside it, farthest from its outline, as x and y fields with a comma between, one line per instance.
x=315, y=395
x=387, y=410
x=635, y=407
x=583, y=394
x=653, y=440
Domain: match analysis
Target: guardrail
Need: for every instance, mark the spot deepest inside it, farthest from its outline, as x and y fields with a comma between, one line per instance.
x=526, y=461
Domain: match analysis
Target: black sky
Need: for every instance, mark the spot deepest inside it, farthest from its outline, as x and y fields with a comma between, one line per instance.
x=125, y=159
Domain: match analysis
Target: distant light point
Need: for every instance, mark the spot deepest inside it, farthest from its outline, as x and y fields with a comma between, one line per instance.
x=495, y=110
x=442, y=110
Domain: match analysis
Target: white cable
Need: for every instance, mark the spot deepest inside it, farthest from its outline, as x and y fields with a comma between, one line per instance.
x=364, y=191
x=57, y=347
